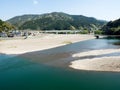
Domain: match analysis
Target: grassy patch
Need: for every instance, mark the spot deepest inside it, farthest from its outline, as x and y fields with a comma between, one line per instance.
x=67, y=42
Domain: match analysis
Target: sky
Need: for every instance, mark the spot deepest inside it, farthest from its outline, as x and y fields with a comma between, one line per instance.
x=100, y=9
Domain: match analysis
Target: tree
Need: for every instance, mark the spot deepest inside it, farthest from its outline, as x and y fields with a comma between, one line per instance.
x=98, y=32
x=112, y=28
x=72, y=28
x=5, y=27
x=85, y=32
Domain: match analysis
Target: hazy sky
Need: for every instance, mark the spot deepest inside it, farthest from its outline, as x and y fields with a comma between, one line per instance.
x=100, y=9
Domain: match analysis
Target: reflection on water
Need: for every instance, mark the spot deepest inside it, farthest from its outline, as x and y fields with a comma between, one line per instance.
x=117, y=43
x=21, y=74
x=115, y=40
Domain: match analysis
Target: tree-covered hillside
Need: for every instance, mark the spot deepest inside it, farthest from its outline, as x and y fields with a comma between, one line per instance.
x=5, y=27
x=112, y=28
x=56, y=21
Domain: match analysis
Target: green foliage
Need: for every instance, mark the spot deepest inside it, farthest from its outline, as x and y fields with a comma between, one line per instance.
x=85, y=32
x=98, y=32
x=5, y=27
x=112, y=28
x=72, y=28
x=55, y=21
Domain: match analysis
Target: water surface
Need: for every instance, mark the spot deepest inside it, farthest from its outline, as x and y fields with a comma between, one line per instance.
x=19, y=73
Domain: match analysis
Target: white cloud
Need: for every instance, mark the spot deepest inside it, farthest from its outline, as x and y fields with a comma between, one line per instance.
x=35, y=2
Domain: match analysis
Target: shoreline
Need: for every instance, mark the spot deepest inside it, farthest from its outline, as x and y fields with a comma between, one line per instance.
x=43, y=42
x=102, y=63
x=94, y=60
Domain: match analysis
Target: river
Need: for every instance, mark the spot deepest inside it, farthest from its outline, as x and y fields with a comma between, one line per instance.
x=19, y=73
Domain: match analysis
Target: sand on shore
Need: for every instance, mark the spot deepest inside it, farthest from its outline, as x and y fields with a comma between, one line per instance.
x=102, y=63
x=45, y=41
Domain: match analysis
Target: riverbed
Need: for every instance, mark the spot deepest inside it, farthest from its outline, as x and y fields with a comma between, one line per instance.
x=49, y=69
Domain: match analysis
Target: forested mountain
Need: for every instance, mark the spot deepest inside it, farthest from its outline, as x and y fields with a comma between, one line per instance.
x=56, y=21
x=5, y=27
x=112, y=28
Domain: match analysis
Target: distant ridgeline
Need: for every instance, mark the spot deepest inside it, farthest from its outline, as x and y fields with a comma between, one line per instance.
x=56, y=21
x=5, y=26
x=112, y=28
